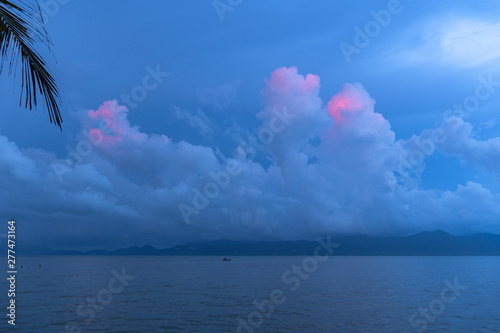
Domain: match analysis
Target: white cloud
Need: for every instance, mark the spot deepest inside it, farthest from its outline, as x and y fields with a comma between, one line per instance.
x=470, y=43
x=454, y=41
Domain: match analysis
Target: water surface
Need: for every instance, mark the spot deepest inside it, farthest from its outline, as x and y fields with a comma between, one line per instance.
x=204, y=294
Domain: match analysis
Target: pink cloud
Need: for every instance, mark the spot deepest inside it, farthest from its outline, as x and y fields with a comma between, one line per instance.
x=110, y=122
x=113, y=114
x=351, y=100
x=352, y=110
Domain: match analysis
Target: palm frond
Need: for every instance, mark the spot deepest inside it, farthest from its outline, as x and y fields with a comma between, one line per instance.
x=21, y=27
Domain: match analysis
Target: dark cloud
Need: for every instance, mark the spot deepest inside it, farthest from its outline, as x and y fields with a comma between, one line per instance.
x=333, y=167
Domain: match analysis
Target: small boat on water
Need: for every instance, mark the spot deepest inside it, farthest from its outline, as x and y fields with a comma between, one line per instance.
x=226, y=259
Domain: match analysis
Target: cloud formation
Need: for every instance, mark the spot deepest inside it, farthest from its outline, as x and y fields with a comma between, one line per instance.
x=336, y=168
x=461, y=42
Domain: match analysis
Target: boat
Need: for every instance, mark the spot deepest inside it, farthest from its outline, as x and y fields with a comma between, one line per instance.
x=226, y=259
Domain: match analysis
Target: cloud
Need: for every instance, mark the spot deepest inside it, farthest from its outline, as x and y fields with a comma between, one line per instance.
x=13, y=161
x=470, y=43
x=110, y=121
x=336, y=169
x=458, y=42
x=352, y=110
x=461, y=141
x=197, y=120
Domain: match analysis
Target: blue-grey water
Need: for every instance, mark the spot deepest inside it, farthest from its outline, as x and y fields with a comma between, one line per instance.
x=204, y=294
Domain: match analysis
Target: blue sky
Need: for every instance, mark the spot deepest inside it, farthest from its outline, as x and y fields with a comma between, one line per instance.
x=398, y=136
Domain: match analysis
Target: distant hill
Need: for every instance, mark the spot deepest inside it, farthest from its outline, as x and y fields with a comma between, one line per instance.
x=435, y=243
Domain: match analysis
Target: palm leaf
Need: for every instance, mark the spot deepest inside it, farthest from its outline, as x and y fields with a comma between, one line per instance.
x=19, y=32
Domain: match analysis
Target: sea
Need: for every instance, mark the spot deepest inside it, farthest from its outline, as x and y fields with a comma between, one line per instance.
x=253, y=294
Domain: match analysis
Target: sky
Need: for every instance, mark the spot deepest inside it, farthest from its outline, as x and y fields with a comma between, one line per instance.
x=188, y=121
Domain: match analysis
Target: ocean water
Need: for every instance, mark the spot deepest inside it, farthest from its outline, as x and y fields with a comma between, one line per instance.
x=255, y=294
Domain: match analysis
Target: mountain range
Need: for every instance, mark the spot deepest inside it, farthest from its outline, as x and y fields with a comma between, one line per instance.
x=428, y=243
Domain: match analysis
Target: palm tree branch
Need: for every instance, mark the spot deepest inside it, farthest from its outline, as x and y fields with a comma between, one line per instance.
x=18, y=35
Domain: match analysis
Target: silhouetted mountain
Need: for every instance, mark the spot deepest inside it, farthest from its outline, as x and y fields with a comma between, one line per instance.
x=427, y=243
